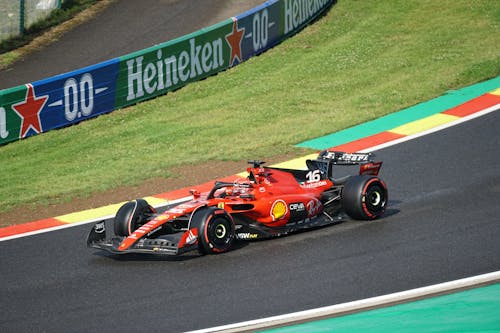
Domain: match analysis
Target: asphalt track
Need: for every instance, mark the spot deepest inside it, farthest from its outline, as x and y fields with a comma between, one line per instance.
x=442, y=225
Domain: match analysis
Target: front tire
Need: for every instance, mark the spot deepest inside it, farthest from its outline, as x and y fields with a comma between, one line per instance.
x=216, y=231
x=364, y=197
x=131, y=216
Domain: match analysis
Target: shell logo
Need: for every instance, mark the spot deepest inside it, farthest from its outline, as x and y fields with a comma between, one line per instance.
x=278, y=210
x=163, y=217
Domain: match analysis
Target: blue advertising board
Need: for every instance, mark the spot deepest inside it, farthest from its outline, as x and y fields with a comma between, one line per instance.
x=78, y=95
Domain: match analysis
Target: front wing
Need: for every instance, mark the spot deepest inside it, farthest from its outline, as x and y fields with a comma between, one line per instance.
x=165, y=245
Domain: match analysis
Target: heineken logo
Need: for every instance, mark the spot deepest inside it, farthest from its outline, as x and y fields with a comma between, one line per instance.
x=170, y=70
x=298, y=12
x=146, y=77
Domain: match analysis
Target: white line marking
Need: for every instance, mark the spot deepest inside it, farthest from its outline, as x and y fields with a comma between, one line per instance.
x=364, y=304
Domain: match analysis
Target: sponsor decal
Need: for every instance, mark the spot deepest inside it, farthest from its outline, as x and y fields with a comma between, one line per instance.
x=169, y=71
x=247, y=235
x=298, y=211
x=314, y=185
x=79, y=95
x=371, y=168
x=100, y=227
x=346, y=157
x=298, y=12
x=234, y=40
x=191, y=237
x=163, y=217
x=278, y=210
x=29, y=111
x=57, y=101
x=314, y=207
x=220, y=205
x=144, y=229
x=354, y=157
x=297, y=207
x=328, y=155
x=261, y=29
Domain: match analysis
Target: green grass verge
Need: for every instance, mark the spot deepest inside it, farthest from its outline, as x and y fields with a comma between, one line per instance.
x=362, y=60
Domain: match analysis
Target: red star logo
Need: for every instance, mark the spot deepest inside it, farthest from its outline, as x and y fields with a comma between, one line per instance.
x=29, y=111
x=234, y=40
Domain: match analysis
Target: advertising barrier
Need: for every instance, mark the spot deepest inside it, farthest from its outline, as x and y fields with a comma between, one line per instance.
x=69, y=98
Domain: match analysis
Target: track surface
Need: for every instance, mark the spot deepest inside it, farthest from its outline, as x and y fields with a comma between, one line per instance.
x=442, y=225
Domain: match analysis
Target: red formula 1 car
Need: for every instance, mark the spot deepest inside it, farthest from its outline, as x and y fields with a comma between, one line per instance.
x=269, y=202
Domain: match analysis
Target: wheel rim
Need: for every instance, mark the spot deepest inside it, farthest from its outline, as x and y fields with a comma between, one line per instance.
x=220, y=231
x=375, y=199
x=219, y=234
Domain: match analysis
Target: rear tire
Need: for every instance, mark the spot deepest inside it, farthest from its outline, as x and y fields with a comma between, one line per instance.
x=364, y=197
x=131, y=216
x=216, y=231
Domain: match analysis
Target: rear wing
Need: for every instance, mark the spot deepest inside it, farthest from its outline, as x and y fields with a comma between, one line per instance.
x=327, y=159
x=342, y=158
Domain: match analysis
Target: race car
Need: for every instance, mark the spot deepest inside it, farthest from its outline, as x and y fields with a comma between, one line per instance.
x=270, y=202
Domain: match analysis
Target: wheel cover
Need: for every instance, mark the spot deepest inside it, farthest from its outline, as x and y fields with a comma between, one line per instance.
x=375, y=199
x=218, y=232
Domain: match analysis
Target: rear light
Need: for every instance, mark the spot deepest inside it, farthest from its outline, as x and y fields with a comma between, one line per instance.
x=371, y=168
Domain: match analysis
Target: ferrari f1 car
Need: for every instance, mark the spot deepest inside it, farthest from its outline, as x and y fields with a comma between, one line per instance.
x=270, y=202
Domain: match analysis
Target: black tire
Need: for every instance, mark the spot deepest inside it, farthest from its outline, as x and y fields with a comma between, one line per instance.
x=364, y=197
x=215, y=230
x=131, y=216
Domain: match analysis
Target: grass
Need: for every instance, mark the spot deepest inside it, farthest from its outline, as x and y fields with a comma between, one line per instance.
x=362, y=60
